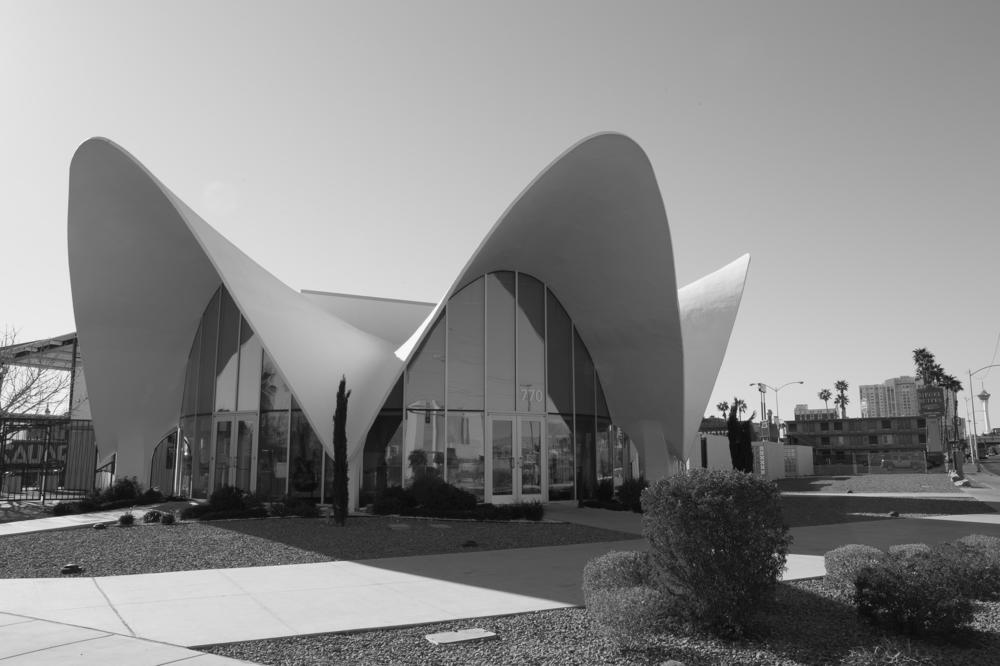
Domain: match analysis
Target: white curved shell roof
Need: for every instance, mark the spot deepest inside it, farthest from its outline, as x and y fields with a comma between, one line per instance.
x=592, y=226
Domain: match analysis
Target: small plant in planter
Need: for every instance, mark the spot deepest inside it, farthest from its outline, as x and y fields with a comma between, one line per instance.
x=126, y=519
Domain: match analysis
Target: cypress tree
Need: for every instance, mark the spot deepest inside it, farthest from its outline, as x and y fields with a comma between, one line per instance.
x=340, y=496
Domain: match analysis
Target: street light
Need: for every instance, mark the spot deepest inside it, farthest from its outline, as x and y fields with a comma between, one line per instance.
x=762, y=387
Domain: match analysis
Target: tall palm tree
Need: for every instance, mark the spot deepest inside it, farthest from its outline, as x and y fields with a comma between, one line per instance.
x=724, y=408
x=825, y=396
x=951, y=383
x=841, y=387
x=740, y=405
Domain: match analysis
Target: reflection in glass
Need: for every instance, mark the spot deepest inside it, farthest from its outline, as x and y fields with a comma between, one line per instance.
x=425, y=378
x=248, y=394
x=189, y=403
x=602, y=403
x=584, y=376
x=272, y=455
x=502, y=440
x=223, y=441
x=244, y=450
x=466, y=330
x=465, y=452
x=586, y=471
x=530, y=456
x=500, y=311
x=605, y=470
x=189, y=437
x=530, y=396
x=161, y=471
x=274, y=392
x=225, y=385
x=383, y=455
x=206, y=360
x=560, y=357
x=305, y=457
x=559, y=436
x=202, y=451
x=424, y=445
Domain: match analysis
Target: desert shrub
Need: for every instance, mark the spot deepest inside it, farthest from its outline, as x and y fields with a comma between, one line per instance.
x=126, y=519
x=231, y=514
x=151, y=496
x=844, y=563
x=616, y=569
x=153, y=516
x=908, y=549
x=168, y=519
x=915, y=594
x=124, y=488
x=605, y=490
x=294, y=506
x=227, y=498
x=528, y=511
x=195, y=512
x=718, y=546
x=630, y=493
x=976, y=567
x=66, y=509
x=618, y=594
x=436, y=495
x=394, y=500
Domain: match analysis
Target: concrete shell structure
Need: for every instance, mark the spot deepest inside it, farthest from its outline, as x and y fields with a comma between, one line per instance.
x=591, y=228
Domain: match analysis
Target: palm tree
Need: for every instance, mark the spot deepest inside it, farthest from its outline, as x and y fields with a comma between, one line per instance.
x=825, y=396
x=841, y=387
x=724, y=408
x=740, y=405
x=951, y=383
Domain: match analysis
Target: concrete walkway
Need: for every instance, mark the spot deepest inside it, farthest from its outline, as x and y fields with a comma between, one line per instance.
x=144, y=618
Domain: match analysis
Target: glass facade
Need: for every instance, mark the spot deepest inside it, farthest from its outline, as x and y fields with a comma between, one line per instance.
x=501, y=399
x=237, y=408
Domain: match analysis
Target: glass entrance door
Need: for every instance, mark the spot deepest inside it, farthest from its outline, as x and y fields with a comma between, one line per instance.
x=515, y=459
x=234, y=450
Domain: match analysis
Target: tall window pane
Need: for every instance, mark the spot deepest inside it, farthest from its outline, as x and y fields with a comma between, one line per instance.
x=425, y=375
x=423, y=447
x=500, y=313
x=465, y=452
x=560, y=357
x=466, y=329
x=229, y=330
x=189, y=403
x=530, y=396
x=602, y=403
x=382, y=464
x=248, y=394
x=206, y=360
x=305, y=457
x=605, y=461
x=274, y=392
x=562, y=463
x=584, y=374
x=272, y=455
x=586, y=469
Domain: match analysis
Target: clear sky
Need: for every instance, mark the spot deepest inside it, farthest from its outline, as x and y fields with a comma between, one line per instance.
x=852, y=148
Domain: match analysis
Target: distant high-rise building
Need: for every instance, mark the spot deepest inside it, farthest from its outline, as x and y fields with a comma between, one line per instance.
x=893, y=397
x=803, y=413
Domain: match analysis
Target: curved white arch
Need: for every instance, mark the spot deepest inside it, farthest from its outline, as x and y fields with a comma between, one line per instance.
x=143, y=266
x=592, y=226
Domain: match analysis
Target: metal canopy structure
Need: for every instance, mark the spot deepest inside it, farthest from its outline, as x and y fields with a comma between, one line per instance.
x=59, y=353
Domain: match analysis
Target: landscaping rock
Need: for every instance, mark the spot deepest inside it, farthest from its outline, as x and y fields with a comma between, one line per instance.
x=100, y=526
x=894, y=514
x=71, y=569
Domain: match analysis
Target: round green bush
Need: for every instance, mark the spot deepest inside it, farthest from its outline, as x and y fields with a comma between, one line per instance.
x=630, y=493
x=168, y=519
x=844, y=563
x=717, y=545
x=152, y=516
x=126, y=519
x=917, y=593
x=619, y=596
x=616, y=569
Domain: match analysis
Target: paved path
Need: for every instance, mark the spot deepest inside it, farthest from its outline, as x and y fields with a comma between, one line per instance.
x=144, y=618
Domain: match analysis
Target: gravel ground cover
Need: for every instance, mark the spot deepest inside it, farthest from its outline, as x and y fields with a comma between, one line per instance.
x=188, y=546
x=370, y=537
x=933, y=482
x=806, y=626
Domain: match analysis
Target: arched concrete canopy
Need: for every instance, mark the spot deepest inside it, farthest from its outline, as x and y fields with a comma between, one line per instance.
x=593, y=227
x=708, y=312
x=143, y=267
